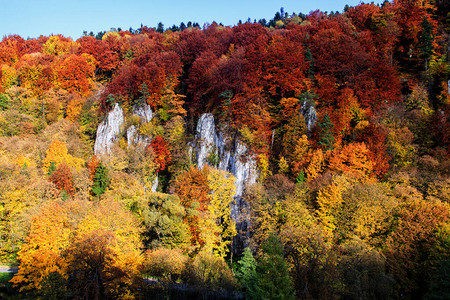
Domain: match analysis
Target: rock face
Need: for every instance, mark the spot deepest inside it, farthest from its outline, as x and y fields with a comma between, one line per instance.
x=309, y=113
x=216, y=149
x=206, y=139
x=155, y=183
x=144, y=112
x=108, y=131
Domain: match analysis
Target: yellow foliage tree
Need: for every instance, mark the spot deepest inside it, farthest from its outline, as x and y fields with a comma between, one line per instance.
x=367, y=212
x=57, y=153
x=315, y=166
x=24, y=162
x=218, y=229
x=97, y=246
x=263, y=166
x=57, y=46
x=40, y=255
x=329, y=199
x=283, y=165
x=8, y=76
x=106, y=250
x=353, y=159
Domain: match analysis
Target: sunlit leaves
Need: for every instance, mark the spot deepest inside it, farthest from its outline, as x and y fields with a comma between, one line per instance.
x=58, y=153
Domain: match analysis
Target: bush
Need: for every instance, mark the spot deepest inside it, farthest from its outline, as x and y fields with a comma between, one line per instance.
x=168, y=264
x=4, y=102
x=209, y=272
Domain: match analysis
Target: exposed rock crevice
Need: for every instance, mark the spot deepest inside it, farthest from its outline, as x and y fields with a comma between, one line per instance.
x=216, y=149
x=108, y=131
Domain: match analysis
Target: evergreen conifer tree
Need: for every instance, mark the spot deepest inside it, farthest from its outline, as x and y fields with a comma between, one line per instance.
x=273, y=277
x=326, y=133
x=426, y=40
x=101, y=180
x=246, y=274
x=51, y=168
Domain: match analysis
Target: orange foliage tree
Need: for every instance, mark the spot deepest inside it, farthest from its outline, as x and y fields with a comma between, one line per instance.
x=40, y=255
x=62, y=178
x=193, y=190
x=410, y=246
x=92, y=166
x=75, y=74
x=162, y=152
x=353, y=159
x=375, y=139
x=76, y=242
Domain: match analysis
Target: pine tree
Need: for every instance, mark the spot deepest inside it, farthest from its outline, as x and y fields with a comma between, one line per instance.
x=101, y=180
x=51, y=168
x=426, y=40
x=326, y=133
x=247, y=275
x=273, y=277
x=160, y=27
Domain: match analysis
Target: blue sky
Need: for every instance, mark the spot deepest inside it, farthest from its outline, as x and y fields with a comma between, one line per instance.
x=30, y=18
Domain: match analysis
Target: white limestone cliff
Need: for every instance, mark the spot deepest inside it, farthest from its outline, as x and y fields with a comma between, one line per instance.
x=108, y=131
x=309, y=113
x=229, y=155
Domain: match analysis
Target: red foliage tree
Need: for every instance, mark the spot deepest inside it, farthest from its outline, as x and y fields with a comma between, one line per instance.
x=162, y=152
x=107, y=59
x=154, y=70
x=92, y=166
x=284, y=66
x=62, y=178
x=375, y=139
x=74, y=74
x=193, y=190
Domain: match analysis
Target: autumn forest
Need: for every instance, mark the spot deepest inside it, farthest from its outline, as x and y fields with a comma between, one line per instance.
x=303, y=157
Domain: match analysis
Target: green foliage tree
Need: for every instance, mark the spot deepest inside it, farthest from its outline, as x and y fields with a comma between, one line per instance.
x=101, y=180
x=426, y=40
x=246, y=274
x=274, y=281
x=51, y=168
x=4, y=102
x=160, y=27
x=163, y=217
x=326, y=138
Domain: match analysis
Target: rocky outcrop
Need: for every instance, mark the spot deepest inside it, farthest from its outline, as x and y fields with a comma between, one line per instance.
x=309, y=113
x=218, y=150
x=108, y=131
x=206, y=139
x=145, y=113
x=155, y=183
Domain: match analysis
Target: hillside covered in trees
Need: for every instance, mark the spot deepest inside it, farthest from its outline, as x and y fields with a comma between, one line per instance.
x=343, y=120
